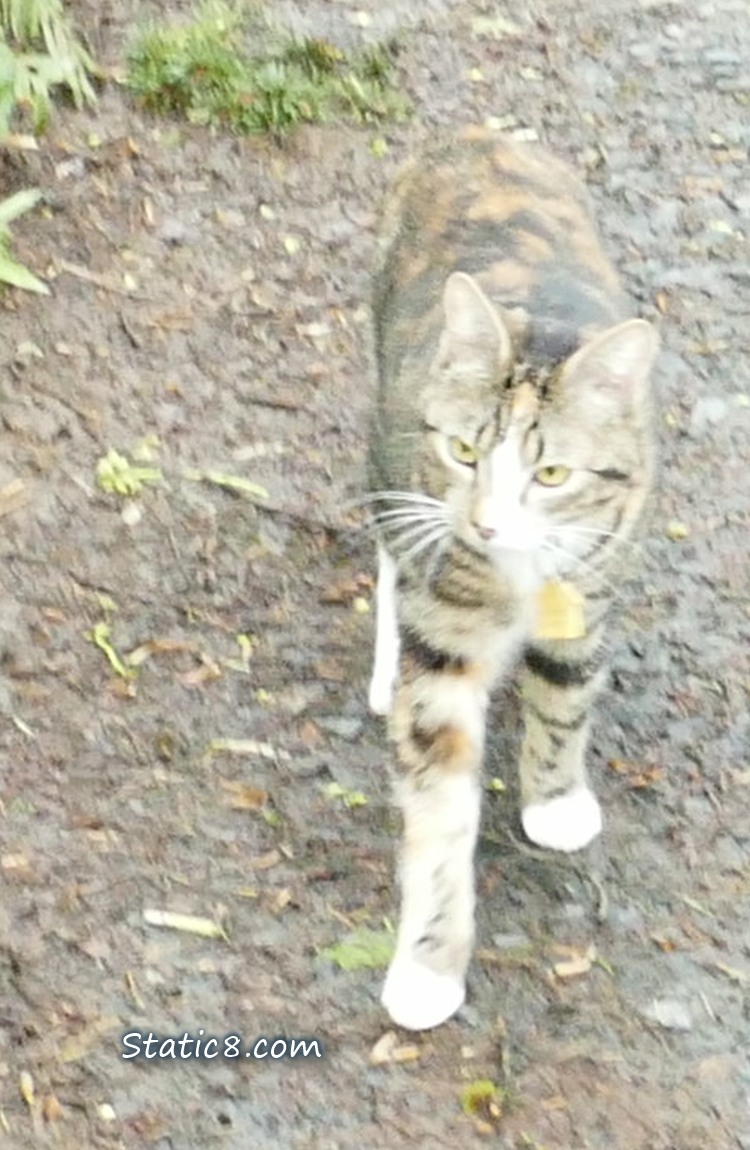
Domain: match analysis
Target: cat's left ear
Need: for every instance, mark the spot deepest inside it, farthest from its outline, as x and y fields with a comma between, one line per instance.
x=475, y=337
x=612, y=369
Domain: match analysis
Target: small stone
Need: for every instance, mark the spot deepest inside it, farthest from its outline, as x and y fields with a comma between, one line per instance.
x=722, y=56
x=707, y=411
x=511, y=940
x=344, y=728
x=669, y=1013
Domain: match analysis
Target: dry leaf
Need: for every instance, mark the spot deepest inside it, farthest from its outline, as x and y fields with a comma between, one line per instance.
x=26, y=1087
x=740, y=976
x=52, y=1110
x=12, y=496
x=280, y=900
x=156, y=647
x=189, y=923
x=267, y=860
x=577, y=964
x=387, y=1049
x=665, y=944
x=243, y=797
x=246, y=747
x=636, y=775
x=347, y=590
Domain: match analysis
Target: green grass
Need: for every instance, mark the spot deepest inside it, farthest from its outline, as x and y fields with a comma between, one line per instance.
x=39, y=52
x=208, y=72
x=11, y=272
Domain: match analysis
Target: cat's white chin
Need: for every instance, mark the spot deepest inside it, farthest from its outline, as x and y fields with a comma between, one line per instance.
x=567, y=823
x=419, y=998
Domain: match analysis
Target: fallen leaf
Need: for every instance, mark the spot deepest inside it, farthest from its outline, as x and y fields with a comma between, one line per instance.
x=245, y=747
x=243, y=796
x=13, y=496
x=665, y=944
x=26, y=1087
x=579, y=963
x=740, y=976
x=156, y=647
x=636, y=775
x=206, y=673
x=267, y=860
x=362, y=949
x=388, y=1049
x=280, y=900
x=189, y=923
x=349, y=798
x=347, y=590
x=52, y=1110
x=236, y=483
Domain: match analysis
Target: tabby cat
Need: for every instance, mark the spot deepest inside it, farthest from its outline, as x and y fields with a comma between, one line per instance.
x=511, y=456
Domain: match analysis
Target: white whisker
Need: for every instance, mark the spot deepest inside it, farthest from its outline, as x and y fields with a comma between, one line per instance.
x=436, y=535
x=400, y=497
x=392, y=524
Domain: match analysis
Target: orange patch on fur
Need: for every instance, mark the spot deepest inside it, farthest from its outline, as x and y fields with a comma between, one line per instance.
x=453, y=749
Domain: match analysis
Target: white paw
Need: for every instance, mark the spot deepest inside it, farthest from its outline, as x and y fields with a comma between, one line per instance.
x=380, y=696
x=567, y=823
x=418, y=998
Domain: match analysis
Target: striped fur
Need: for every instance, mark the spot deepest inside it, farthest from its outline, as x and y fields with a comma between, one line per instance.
x=511, y=446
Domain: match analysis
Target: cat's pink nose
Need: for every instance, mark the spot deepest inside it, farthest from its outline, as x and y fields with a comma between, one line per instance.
x=484, y=532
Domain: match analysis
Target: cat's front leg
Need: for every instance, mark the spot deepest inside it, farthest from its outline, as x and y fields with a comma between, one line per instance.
x=561, y=681
x=438, y=723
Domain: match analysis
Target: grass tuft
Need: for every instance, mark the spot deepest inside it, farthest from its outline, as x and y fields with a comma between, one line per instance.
x=206, y=72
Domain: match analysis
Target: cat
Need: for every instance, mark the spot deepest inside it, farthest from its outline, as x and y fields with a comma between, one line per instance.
x=511, y=455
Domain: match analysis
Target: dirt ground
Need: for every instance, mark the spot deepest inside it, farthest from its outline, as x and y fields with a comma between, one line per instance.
x=213, y=293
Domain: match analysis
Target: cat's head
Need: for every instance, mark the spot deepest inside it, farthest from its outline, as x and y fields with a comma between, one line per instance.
x=542, y=463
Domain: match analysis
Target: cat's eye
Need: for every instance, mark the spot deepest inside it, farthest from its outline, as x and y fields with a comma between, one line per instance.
x=553, y=476
x=462, y=451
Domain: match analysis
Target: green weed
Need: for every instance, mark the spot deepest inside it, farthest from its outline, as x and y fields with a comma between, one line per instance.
x=38, y=52
x=11, y=272
x=208, y=72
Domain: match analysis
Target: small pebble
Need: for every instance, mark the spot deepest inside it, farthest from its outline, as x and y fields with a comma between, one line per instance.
x=669, y=1013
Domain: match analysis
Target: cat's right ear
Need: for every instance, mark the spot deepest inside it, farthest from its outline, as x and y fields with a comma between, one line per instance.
x=475, y=339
